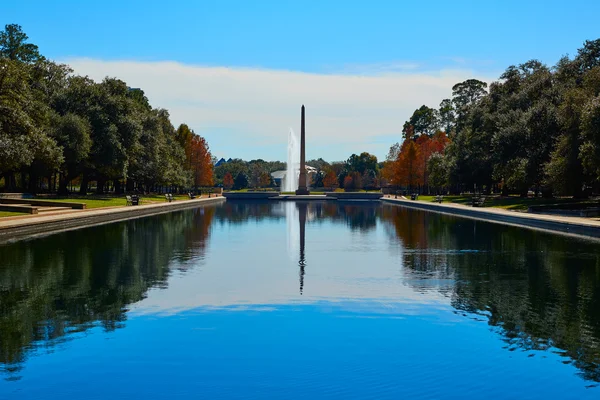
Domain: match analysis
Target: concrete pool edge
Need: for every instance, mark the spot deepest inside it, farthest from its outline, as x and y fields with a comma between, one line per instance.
x=18, y=229
x=550, y=223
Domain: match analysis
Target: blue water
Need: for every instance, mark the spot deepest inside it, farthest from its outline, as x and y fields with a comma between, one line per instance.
x=286, y=300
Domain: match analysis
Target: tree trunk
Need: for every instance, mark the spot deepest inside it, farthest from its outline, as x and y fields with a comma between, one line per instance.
x=100, y=184
x=10, y=183
x=85, y=181
x=33, y=183
x=118, y=187
x=63, y=182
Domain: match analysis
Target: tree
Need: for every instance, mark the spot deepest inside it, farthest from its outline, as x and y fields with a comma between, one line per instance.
x=361, y=163
x=393, y=152
x=228, y=181
x=234, y=167
x=201, y=162
x=424, y=121
x=319, y=164
x=348, y=184
x=14, y=46
x=447, y=116
x=73, y=134
x=241, y=181
x=330, y=179
x=265, y=179
x=58, y=126
x=438, y=171
x=466, y=93
x=408, y=171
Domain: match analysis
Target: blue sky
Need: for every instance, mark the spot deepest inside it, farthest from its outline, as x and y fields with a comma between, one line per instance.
x=416, y=42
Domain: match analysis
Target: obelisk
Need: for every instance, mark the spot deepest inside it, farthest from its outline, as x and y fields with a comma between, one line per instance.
x=302, y=189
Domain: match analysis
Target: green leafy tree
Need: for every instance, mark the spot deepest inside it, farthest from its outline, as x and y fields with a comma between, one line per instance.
x=424, y=121
x=241, y=181
x=14, y=46
x=447, y=116
x=438, y=171
x=73, y=134
x=361, y=163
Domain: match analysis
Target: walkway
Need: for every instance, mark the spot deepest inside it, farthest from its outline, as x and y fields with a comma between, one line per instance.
x=571, y=225
x=13, y=228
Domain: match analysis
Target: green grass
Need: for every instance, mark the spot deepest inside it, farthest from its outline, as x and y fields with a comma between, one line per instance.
x=11, y=214
x=514, y=203
x=111, y=201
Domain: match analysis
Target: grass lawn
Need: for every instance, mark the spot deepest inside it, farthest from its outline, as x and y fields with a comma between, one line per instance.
x=514, y=203
x=112, y=201
x=11, y=214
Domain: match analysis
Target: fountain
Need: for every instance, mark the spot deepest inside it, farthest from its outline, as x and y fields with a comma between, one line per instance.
x=290, y=183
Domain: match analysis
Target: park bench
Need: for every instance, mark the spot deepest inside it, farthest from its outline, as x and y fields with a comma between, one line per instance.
x=414, y=196
x=191, y=195
x=132, y=200
x=478, y=201
x=439, y=199
x=168, y=197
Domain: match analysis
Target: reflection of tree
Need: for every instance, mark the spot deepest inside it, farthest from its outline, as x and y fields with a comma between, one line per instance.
x=69, y=282
x=539, y=290
x=361, y=216
x=357, y=215
x=239, y=212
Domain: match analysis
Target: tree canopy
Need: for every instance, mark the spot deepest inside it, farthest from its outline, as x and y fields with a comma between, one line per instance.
x=56, y=126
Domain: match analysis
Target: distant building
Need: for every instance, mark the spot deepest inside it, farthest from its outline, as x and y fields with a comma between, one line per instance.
x=279, y=176
x=220, y=162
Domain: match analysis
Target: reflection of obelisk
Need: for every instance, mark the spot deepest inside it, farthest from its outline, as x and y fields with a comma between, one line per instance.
x=302, y=189
x=302, y=263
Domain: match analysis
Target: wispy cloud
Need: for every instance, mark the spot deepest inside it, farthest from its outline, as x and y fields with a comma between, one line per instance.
x=376, y=69
x=246, y=112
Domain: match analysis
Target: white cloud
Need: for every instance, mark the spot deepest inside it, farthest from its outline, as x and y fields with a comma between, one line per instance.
x=247, y=112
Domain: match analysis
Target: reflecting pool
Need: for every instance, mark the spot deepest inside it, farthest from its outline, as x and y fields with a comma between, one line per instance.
x=300, y=300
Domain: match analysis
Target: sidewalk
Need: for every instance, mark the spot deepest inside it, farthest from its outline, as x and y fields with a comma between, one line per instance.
x=13, y=228
x=556, y=223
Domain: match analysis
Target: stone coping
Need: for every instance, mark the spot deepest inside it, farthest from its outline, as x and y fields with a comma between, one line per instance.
x=249, y=195
x=296, y=197
x=45, y=203
x=576, y=226
x=355, y=195
x=21, y=208
x=13, y=229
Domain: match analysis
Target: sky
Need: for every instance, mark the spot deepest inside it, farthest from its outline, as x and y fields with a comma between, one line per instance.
x=237, y=71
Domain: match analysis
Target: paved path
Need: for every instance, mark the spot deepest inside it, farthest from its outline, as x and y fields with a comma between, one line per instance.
x=573, y=225
x=12, y=228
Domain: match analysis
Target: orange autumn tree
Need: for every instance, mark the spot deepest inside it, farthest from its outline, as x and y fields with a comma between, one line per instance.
x=410, y=166
x=428, y=146
x=228, y=181
x=200, y=161
x=407, y=169
x=330, y=180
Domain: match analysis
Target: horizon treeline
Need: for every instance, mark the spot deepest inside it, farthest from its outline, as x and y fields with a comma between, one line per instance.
x=535, y=129
x=57, y=127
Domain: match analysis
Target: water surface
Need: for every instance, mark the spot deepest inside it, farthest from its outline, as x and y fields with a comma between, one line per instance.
x=300, y=300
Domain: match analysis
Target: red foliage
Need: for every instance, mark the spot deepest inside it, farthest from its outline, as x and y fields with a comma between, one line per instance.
x=410, y=168
x=228, y=181
x=330, y=180
x=199, y=161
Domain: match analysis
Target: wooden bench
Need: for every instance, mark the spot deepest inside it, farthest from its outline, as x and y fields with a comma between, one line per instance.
x=478, y=201
x=132, y=200
x=439, y=199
